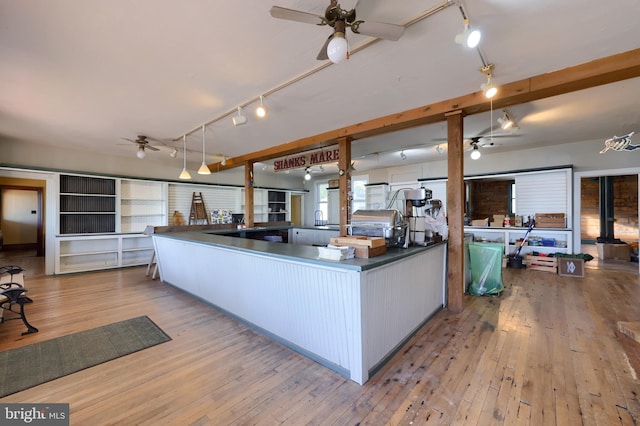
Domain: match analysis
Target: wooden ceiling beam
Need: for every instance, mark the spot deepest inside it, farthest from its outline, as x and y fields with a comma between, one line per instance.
x=598, y=72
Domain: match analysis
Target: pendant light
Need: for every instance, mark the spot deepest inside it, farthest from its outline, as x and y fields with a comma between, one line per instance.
x=185, y=174
x=338, y=47
x=203, y=170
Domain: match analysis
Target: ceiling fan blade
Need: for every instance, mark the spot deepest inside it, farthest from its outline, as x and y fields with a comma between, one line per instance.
x=322, y=54
x=152, y=148
x=378, y=29
x=296, y=15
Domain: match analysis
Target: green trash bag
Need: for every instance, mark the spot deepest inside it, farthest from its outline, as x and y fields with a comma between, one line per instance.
x=486, y=268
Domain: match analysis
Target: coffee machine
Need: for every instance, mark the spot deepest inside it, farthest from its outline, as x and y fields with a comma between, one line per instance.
x=421, y=211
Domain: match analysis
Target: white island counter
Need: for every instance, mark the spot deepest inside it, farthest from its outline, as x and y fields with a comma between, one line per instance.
x=350, y=316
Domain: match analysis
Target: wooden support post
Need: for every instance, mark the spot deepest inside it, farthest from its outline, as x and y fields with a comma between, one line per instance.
x=248, y=194
x=455, y=212
x=344, y=163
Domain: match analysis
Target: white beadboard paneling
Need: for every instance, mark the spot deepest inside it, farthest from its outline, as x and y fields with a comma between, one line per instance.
x=543, y=192
x=180, y=196
x=345, y=319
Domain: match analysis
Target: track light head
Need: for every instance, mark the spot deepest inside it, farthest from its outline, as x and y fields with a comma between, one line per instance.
x=403, y=155
x=239, y=119
x=488, y=88
x=224, y=161
x=261, y=110
x=470, y=38
x=174, y=153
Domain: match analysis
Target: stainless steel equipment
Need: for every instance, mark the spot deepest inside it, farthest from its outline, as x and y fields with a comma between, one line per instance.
x=389, y=224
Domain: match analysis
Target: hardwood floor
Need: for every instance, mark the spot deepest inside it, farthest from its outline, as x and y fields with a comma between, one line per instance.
x=545, y=352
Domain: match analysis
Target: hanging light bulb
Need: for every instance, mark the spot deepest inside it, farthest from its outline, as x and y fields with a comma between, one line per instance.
x=204, y=169
x=307, y=175
x=338, y=48
x=475, y=154
x=261, y=111
x=184, y=174
x=141, y=154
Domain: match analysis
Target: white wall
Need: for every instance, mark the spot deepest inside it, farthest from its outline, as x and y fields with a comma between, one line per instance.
x=35, y=156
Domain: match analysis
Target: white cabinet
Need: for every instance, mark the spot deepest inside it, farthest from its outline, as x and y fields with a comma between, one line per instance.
x=309, y=237
x=376, y=195
x=540, y=240
x=95, y=252
x=333, y=206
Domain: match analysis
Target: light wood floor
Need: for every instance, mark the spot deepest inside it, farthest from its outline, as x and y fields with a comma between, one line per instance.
x=545, y=352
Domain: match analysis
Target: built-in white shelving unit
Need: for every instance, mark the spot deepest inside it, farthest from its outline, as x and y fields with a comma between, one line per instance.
x=142, y=203
x=546, y=240
x=80, y=253
x=376, y=195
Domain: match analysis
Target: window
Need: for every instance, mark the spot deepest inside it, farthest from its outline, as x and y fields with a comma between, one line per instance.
x=322, y=202
x=359, y=200
x=512, y=199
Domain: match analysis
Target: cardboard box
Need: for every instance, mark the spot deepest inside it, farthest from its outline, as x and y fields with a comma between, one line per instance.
x=570, y=267
x=480, y=222
x=550, y=220
x=614, y=251
x=365, y=251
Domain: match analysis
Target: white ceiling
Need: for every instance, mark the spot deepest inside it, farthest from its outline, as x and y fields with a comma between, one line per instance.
x=85, y=74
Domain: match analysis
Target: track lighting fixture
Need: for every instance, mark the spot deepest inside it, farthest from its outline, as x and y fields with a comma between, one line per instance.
x=488, y=88
x=403, y=155
x=224, y=161
x=475, y=154
x=470, y=38
x=203, y=170
x=439, y=149
x=141, y=154
x=174, y=153
x=307, y=174
x=185, y=174
x=261, y=111
x=507, y=123
x=338, y=47
x=239, y=119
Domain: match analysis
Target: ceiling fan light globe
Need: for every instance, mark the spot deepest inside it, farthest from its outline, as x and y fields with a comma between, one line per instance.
x=475, y=154
x=307, y=176
x=141, y=154
x=337, y=49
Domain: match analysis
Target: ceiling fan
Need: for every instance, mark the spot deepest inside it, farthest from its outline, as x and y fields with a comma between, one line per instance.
x=143, y=144
x=336, y=47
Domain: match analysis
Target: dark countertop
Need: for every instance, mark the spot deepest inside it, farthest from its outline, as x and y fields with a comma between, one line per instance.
x=293, y=252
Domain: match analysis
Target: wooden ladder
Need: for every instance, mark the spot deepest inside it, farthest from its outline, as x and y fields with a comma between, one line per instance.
x=198, y=212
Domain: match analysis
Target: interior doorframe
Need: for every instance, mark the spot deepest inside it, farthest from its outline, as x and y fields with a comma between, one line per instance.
x=50, y=207
x=40, y=217
x=577, y=197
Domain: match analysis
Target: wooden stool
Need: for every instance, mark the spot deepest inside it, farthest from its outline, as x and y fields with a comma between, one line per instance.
x=153, y=262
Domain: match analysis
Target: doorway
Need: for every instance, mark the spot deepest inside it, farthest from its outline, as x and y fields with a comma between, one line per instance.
x=609, y=214
x=296, y=210
x=21, y=218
